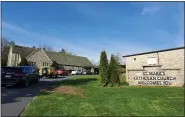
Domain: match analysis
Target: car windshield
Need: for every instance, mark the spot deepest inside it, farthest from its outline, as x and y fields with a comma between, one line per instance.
x=26, y=69
x=10, y=69
x=79, y=70
x=52, y=68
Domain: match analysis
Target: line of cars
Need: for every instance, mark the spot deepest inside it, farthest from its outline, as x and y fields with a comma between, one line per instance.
x=80, y=72
x=52, y=72
x=26, y=75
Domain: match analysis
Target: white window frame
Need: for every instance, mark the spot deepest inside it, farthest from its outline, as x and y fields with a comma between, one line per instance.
x=44, y=64
x=152, y=60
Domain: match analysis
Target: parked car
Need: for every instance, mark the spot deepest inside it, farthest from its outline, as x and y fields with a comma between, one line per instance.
x=62, y=72
x=48, y=71
x=53, y=72
x=76, y=72
x=84, y=73
x=21, y=75
x=89, y=73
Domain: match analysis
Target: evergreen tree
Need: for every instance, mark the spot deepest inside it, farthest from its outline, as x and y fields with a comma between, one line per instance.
x=24, y=62
x=3, y=62
x=55, y=65
x=63, y=51
x=12, y=43
x=113, y=71
x=104, y=68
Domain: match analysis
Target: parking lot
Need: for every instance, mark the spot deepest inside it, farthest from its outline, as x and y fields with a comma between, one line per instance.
x=15, y=99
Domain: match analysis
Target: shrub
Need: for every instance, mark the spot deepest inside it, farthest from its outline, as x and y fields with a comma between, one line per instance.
x=114, y=71
x=104, y=69
x=125, y=83
x=24, y=62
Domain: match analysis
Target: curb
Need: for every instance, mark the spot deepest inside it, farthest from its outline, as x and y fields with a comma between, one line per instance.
x=46, y=85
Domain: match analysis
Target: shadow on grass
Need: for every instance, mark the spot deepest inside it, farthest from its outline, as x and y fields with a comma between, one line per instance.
x=77, y=81
x=69, y=82
x=12, y=94
x=54, y=77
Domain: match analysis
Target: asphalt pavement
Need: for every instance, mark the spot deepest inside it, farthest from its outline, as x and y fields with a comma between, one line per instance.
x=15, y=99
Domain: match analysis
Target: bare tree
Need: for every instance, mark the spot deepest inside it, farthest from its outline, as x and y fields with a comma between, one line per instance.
x=95, y=63
x=63, y=51
x=118, y=58
x=12, y=43
x=6, y=42
x=46, y=47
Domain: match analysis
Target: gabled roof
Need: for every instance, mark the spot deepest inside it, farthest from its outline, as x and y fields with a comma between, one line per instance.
x=33, y=53
x=24, y=51
x=60, y=58
x=65, y=59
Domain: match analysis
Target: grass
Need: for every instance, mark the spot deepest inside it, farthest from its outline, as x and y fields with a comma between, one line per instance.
x=107, y=101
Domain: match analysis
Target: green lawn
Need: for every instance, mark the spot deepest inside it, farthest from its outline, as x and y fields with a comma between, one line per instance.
x=90, y=99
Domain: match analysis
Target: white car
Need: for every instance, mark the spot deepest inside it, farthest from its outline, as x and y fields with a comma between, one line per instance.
x=76, y=72
x=84, y=73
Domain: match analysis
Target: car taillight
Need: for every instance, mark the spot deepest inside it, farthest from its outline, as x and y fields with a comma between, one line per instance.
x=19, y=74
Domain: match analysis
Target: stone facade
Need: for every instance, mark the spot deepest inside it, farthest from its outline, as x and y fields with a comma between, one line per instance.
x=171, y=62
x=39, y=58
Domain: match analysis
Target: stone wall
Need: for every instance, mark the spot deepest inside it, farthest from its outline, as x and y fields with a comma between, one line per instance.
x=170, y=62
x=39, y=57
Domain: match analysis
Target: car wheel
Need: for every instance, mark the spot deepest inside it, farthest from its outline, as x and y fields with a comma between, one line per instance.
x=26, y=83
x=51, y=76
x=37, y=80
x=3, y=85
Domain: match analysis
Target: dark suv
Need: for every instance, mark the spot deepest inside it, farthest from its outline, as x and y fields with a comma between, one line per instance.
x=22, y=75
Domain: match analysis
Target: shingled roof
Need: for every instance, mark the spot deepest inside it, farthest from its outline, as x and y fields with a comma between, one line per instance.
x=65, y=59
x=24, y=51
x=60, y=58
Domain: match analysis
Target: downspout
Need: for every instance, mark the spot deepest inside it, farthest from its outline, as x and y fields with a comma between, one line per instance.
x=158, y=58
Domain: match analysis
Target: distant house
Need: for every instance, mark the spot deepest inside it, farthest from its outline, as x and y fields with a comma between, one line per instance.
x=38, y=57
